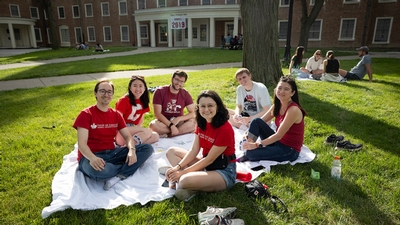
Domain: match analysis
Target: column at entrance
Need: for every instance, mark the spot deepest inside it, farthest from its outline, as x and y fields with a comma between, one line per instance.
x=212, y=32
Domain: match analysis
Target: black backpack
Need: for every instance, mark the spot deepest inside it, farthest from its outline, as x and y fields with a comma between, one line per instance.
x=258, y=190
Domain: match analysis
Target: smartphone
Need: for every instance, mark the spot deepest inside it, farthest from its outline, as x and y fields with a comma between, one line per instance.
x=165, y=184
x=257, y=168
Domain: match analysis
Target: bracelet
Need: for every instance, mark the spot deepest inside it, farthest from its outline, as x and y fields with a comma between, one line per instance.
x=180, y=167
x=170, y=125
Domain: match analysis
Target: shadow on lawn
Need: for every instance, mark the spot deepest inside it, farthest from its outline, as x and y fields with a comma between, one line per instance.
x=348, y=194
x=368, y=129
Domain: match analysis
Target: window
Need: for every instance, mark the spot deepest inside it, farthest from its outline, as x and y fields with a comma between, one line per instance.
x=34, y=12
x=124, y=33
x=122, y=8
x=178, y=35
x=17, y=34
x=194, y=30
x=78, y=35
x=183, y=2
x=163, y=33
x=347, y=29
x=203, y=32
x=144, y=32
x=48, y=35
x=206, y=2
x=312, y=2
x=230, y=1
x=45, y=14
x=162, y=3
x=61, y=13
x=14, y=10
x=75, y=11
x=64, y=33
x=283, y=29
x=38, y=35
x=107, y=34
x=284, y=3
x=350, y=1
x=105, y=11
x=315, y=30
x=385, y=1
x=91, y=34
x=141, y=4
x=88, y=10
x=383, y=26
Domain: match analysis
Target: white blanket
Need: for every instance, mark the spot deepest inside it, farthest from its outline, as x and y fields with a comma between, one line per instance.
x=71, y=189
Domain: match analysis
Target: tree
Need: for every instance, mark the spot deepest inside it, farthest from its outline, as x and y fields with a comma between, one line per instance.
x=47, y=6
x=308, y=20
x=261, y=47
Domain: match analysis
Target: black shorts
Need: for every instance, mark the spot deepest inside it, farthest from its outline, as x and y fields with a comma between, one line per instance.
x=352, y=76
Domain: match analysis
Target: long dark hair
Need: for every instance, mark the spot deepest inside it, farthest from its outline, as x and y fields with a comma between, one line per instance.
x=221, y=116
x=299, y=55
x=144, y=98
x=277, y=103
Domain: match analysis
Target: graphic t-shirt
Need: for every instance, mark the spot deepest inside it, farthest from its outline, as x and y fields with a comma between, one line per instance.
x=221, y=136
x=172, y=105
x=102, y=127
x=253, y=101
x=131, y=114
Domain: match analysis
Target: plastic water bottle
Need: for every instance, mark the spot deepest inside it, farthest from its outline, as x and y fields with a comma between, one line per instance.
x=336, y=168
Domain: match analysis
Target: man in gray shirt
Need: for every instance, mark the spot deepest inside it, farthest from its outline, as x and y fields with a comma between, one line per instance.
x=363, y=67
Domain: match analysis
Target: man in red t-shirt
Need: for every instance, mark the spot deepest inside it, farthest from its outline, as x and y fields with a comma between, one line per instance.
x=97, y=126
x=169, y=103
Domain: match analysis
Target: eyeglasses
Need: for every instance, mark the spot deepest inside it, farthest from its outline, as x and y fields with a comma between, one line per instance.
x=179, y=81
x=104, y=92
x=318, y=54
x=210, y=106
x=134, y=77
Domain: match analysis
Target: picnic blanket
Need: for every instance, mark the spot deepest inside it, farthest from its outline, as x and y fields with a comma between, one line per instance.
x=71, y=189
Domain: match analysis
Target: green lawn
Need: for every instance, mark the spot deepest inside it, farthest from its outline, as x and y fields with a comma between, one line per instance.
x=363, y=112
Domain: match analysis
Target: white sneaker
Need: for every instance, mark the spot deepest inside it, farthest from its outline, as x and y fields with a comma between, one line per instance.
x=163, y=169
x=218, y=220
x=184, y=194
x=211, y=211
x=111, y=182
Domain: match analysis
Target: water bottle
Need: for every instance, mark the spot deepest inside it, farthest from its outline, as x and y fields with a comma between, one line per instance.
x=336, y=168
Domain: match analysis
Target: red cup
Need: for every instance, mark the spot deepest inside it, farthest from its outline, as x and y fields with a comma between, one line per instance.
x=243, y=176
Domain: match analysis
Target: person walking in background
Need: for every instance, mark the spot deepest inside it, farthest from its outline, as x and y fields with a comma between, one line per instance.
x=97, y=126
x=362, y=68
x=284, y=144
x=215, y=137
x=314, y=65
x=252, y=100
x=169, y=103
x=133, y=106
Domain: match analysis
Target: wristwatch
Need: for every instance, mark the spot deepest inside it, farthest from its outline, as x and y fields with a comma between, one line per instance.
x=259, y=145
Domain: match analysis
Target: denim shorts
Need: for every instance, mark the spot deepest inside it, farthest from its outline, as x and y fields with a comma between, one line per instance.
x=130, y=125
x=228, y=174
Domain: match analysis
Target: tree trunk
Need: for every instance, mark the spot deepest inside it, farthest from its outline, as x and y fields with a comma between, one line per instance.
x=48, y=7
x=308, y=20
x=260, y=40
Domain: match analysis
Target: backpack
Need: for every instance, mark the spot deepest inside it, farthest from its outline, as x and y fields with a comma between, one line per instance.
x=258, y=190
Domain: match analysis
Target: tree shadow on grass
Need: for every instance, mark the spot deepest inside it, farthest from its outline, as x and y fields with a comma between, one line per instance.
x=368, y=129
x=343, y=192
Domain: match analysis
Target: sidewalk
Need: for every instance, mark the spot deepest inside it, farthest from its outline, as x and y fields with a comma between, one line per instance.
x=71, y=79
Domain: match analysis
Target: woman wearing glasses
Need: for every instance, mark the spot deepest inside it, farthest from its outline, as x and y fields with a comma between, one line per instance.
x=314, y=65
x=216, y=169
x=133, y=106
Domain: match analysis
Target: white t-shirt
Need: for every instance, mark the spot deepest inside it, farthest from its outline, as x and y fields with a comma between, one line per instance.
x=254, y=100
x=312, y=64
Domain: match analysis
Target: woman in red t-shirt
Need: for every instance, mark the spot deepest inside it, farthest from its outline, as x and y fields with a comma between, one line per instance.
x=215, y=137
x=133, y=106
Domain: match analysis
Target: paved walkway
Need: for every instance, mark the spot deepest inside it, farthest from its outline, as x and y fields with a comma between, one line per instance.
x=71, y=79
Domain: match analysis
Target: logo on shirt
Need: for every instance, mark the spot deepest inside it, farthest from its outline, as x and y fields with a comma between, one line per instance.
x=93, y=126
x=172, y=107
x=250, y=103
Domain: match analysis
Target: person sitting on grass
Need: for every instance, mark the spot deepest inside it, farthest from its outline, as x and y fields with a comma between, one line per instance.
x=97, y=125
x=133, y=106
x=215, y=137
x=284, y=144
x=99, y=48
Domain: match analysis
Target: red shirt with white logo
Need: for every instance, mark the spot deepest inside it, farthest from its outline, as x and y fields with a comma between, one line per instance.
x=131, y=114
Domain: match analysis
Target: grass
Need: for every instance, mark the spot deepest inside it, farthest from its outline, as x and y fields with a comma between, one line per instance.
x=363, y=112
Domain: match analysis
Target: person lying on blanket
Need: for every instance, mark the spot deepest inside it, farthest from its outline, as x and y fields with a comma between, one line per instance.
x=97, y=126
x=284, y=144
x=216, y=169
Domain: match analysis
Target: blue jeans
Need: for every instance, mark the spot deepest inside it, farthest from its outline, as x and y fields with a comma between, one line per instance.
x=275, y=151
x=115, y=162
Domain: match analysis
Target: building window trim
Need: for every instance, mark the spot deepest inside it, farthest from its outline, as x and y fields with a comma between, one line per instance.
x=144, y=35
x=319, y=32
x=39, y=35
x=63, y=12
x=139, y=3
x=120, y=8
x=341, y=29
x=209, y=2
x=282, y=3
x=105, y=12
x=279, y=29
x=122, y=33
x=78, y=13
x=89, y=34
x=180, y=3
x=386, y=1
x=351, y=1
x=161, y=5
x=104, y=34
x=17, y=10
x=228, y=2
x=78, y=35
x=37, y=12
x=160, y=37
x=48, y=35
x=91, y=10
x=388, y=32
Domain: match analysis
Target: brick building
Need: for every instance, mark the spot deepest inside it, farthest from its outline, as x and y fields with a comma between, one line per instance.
x=340, y=23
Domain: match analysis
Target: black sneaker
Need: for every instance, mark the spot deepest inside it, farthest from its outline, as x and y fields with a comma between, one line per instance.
x=332, y=139
x=347, y=145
